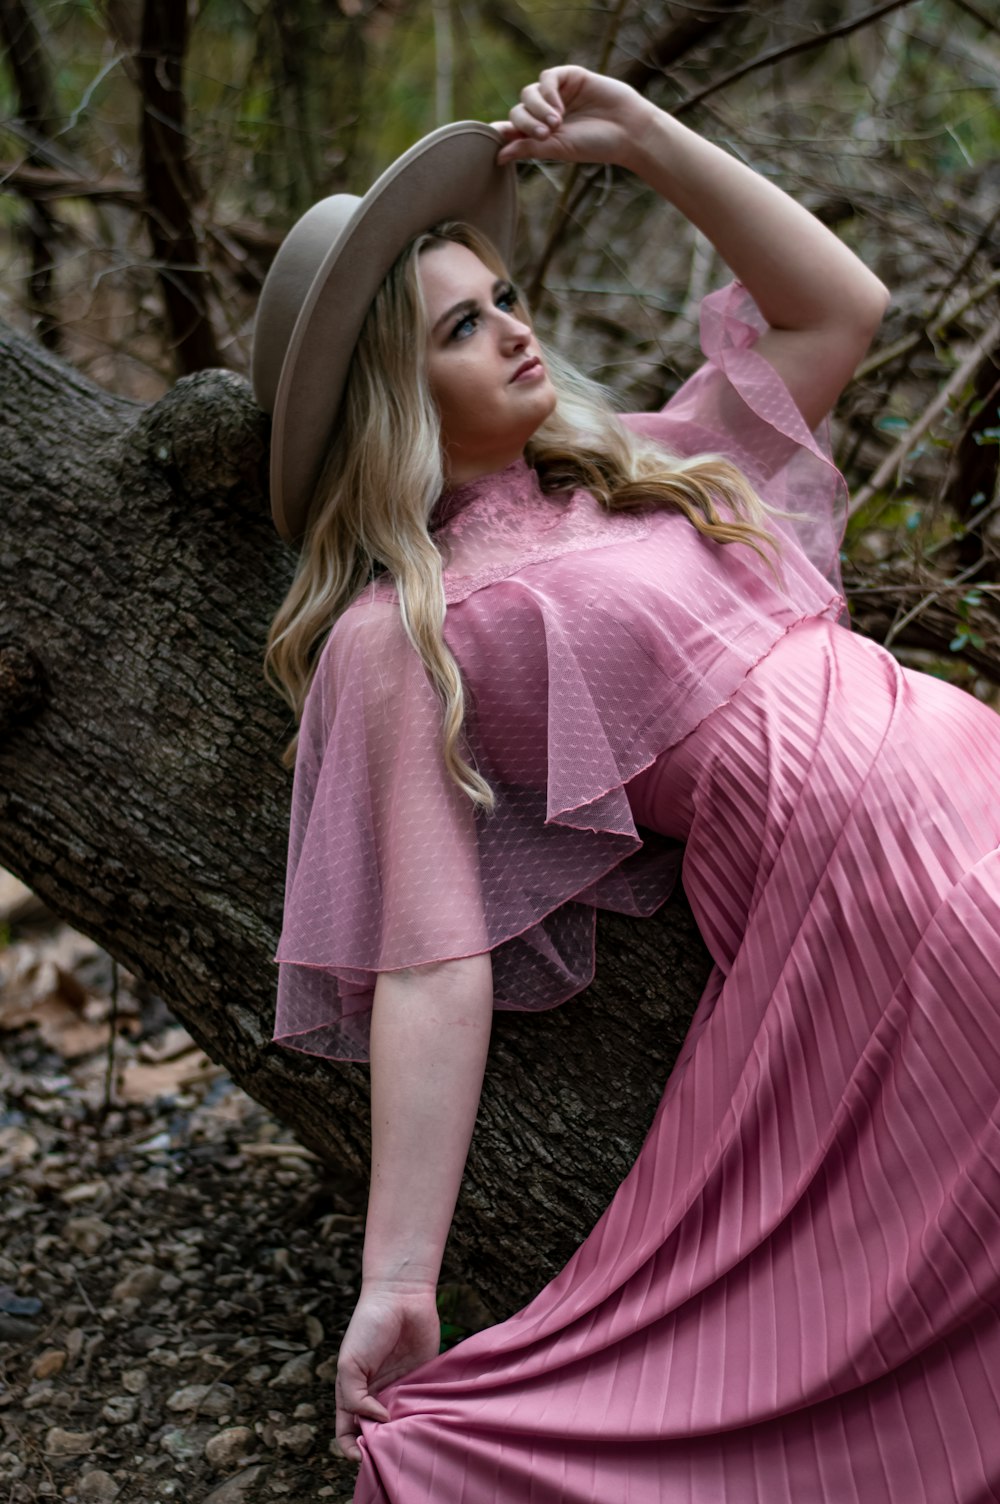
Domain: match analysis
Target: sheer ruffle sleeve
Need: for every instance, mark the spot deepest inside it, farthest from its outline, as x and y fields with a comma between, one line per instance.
x=389, y=866
x=382, y=870
x=588, y=645
x=738, y=406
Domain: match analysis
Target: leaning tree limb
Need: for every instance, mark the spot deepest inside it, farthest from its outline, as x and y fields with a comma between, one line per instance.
x=142, y=796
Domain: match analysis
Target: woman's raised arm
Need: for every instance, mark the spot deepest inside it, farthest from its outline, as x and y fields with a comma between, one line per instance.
x=822, y=303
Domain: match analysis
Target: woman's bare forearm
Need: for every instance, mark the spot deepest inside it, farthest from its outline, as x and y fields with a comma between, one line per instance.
x=430, y=1035
x=822, y=304
x=801, y=276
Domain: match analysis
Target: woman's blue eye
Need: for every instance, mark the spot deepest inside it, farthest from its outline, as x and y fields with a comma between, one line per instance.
x=506, y=298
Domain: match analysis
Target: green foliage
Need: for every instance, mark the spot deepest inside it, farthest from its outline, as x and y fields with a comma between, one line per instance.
x=965, y=634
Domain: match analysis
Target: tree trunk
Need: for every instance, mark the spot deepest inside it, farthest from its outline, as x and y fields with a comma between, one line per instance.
x=143, y=797
x=170, y=187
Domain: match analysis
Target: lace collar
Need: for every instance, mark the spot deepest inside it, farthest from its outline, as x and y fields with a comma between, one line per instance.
x=516, y=486
x=490, y=528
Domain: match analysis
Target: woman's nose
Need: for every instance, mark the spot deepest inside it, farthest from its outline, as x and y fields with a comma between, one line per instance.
x=514, y=331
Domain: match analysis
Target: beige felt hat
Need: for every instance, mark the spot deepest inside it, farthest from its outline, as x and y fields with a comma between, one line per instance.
x=325, y=275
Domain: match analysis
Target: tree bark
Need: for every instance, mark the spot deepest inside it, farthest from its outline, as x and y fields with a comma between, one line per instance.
x=142, y=796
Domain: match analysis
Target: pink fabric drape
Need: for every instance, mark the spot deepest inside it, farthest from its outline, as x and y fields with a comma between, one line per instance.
x=794, y=1296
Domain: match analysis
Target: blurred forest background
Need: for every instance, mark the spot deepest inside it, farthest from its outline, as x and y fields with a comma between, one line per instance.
x=152, y=155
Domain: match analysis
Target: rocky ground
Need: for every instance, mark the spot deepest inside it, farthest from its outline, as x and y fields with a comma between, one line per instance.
x=175, y=1271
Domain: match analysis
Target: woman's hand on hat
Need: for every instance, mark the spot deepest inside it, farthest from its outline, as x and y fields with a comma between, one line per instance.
x=573, y=115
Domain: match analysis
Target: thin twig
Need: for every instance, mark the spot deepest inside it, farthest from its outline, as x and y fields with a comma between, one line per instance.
x=564, y=211
x=569, y=206
x=894, y=460
x=930, y=331
x=109, y=1078
x=975, y=521
x=978, y=15
x=678, y=38
x=892, y=588
x=985, y=240
x=52, y=182
x=928, y=600
x=791, y=49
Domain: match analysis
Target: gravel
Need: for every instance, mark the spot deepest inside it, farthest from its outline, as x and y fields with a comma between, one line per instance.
x=175, y=1271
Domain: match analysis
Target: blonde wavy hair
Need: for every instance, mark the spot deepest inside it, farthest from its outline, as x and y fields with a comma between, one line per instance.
x=383, y=476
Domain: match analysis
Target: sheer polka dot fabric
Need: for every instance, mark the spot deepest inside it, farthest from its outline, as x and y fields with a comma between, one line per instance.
x=588, y=645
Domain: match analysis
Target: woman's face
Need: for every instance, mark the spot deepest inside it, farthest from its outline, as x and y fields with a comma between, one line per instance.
x=483, y=365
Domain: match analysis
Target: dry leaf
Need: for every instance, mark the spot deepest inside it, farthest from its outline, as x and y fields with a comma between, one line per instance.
x=174, y=1041
x=30, y=979
x=144, y=1083
x=73, y=1037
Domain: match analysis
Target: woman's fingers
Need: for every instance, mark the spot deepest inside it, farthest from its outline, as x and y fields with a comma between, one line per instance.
x=536, y=118
x=373, y=1410
x=532, y=123
x=542, y=103
x=348, y=1429
x=346, y=1434
x=347, y=1442
x=355, y=1398
x=553, y=81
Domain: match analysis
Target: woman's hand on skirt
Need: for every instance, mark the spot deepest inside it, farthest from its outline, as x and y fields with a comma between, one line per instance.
x=394, y=1329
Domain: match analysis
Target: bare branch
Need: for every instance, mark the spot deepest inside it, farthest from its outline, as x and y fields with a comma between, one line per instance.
x=930, y=331
x=894, y=461
x=43, y=183
x=507, y=17
x=563, y=213
x=676, y=41
x=788, y=49
x=979, y=15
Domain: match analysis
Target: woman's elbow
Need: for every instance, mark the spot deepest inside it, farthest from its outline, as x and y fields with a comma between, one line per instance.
x=870, y=306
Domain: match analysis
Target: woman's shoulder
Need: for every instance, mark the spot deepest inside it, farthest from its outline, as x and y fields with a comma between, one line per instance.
x=368, y=634
x=372, y=614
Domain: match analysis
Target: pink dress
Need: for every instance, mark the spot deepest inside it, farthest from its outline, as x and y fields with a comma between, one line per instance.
x=795, y=1294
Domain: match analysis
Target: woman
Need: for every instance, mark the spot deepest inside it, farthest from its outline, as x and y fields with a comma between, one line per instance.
x=794, y=1294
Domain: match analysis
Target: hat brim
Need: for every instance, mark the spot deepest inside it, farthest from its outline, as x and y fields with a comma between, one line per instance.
x=449, y=174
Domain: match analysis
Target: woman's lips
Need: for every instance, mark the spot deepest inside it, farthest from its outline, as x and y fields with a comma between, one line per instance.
x=531, y=369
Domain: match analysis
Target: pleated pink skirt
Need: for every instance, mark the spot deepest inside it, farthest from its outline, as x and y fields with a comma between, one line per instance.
x=795, y=1294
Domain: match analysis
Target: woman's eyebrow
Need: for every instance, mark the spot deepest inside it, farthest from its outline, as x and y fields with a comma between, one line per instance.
x=468, y=305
